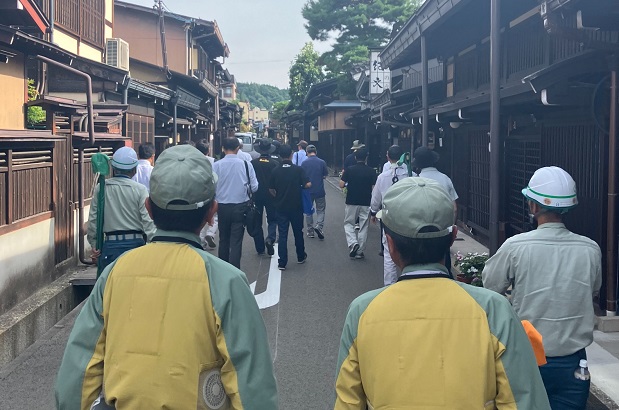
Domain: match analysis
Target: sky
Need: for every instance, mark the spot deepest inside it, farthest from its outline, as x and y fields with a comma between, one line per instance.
x=264, y=36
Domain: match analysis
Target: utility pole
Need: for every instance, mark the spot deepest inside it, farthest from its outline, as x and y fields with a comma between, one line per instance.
x=164, y=49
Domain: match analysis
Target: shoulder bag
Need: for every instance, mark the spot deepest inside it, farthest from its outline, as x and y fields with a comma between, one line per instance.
x=252, y=217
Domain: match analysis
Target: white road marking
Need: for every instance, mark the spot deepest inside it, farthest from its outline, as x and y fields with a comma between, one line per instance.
x=270, y=297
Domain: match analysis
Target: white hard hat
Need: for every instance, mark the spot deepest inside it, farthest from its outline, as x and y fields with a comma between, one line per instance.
x=552, y=188
x=125, y=158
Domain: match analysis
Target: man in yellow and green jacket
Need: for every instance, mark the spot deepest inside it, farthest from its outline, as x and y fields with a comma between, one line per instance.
x=428, y=341
x=169, y=326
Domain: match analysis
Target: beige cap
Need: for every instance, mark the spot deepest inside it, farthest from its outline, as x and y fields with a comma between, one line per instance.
x=415, y=203
x=182, y=175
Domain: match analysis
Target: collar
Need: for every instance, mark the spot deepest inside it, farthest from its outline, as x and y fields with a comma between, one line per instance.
x=429, y=169
x=183, y=235
x=122, y=176
x=424, y=269
x=552, y=225
x=143, y=161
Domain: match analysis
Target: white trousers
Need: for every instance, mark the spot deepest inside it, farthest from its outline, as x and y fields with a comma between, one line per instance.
x=350, y=215
x=390, y=271
x=209, y=230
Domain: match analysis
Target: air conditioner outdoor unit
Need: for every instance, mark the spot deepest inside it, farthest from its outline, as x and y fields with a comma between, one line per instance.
x=117, y=53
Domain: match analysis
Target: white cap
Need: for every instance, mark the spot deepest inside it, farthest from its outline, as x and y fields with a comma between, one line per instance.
x=125, y=158
x=583, y=363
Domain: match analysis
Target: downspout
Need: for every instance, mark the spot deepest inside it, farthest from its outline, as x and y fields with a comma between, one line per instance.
x=495, y=118
x=174, y=101
x=125, y=98
x=52, y=15
x=89, y=107
x=424, y=92
x=613, y=168
x=80, y=212
x=80, y=158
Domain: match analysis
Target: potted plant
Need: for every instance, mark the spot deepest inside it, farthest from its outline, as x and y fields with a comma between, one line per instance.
x=469, y=267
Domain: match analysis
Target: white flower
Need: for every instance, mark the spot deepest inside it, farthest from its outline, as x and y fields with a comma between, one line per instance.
x=474, y=269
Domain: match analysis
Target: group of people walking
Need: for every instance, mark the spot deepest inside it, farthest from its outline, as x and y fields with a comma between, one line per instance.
x=169, y=325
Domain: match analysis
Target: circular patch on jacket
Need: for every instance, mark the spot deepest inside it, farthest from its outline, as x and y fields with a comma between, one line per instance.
x=213, y=391
x=547, y=201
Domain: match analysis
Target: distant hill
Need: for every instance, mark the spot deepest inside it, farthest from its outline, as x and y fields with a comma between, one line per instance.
x=261, y=95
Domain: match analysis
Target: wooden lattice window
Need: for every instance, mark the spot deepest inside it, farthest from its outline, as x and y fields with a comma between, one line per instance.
x=526, y=47
x=25, y=183
x=84, y=18
x=523, y=157
x=479, y=180
x=465, y=76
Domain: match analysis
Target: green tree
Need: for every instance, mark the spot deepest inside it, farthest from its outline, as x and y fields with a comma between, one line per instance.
x=278, y=110
x=260, y=95
x=36, y=114
x=354, y=26
x=304, y=72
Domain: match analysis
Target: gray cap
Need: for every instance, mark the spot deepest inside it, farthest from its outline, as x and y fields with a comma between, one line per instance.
x=182, y=175
x=416, y=203
x=125, y=158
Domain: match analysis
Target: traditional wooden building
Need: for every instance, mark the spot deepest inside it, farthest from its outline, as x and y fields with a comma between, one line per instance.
x=45, y=177
x=554, y=63
x=185, y=63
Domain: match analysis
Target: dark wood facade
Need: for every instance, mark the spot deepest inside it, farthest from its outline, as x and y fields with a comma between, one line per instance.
x=554, y=107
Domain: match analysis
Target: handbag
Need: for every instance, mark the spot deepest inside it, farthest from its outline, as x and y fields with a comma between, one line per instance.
x=252, y=218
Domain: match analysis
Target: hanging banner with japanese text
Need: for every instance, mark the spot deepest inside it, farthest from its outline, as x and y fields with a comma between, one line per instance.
x=380, y=77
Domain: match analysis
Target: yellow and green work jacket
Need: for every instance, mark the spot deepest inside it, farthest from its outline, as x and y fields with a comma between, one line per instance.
x=435, y=343
x=159, y=317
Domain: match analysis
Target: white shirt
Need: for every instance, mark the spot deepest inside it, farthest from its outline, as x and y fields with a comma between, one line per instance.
x=387, y=166
x=554, y=274
x=142, y=173
x=384, y=182
x=232, y=180
x=245, y=156
x=298, y=157
x=438, y=176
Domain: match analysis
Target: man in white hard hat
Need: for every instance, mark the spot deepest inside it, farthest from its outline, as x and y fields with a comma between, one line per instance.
x=554, y=274
x=126, y=223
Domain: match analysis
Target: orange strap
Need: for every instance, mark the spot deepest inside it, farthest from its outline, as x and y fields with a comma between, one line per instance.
x=536, y=342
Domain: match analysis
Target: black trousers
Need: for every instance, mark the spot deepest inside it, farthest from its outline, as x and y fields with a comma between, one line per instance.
x=231, y=231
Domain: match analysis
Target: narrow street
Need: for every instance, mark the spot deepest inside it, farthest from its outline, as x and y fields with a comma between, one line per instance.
x=304, y=314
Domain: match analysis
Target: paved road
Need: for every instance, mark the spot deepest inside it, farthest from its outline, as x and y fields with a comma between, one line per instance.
x=304, y=318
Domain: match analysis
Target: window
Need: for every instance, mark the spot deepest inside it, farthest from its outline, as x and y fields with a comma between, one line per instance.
x=84, y=18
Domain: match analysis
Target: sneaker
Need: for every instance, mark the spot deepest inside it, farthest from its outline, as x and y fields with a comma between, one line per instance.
x=353, y=250
x=210, y=241
x=303, y=260
x=270, y=248
x=359, y=255
x=357, y=227
x=310, y=234
x=321, y=235
x=280, y=267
